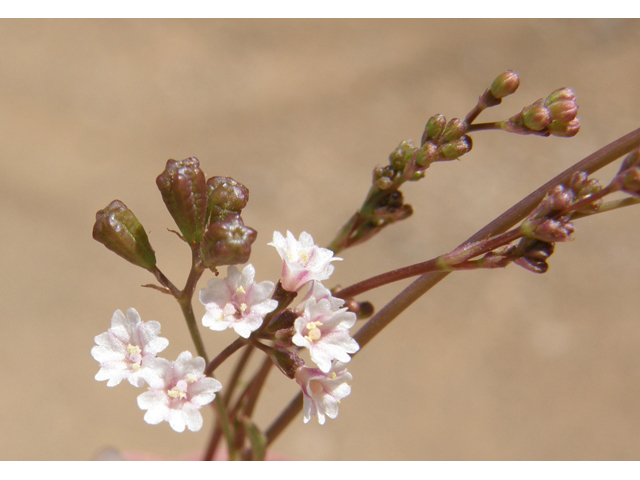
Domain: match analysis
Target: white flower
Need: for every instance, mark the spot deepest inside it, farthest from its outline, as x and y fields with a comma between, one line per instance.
x=237, y=302
x=325, y=332
x=319, y=291
x=303, y=260
x=177, y=392
x=322, y=391
x=125, y=350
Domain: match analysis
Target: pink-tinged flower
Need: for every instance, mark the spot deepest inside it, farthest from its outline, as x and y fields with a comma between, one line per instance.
x=125, y=350
x=319, y=291
x=177, y=391
x=323, y=391
x=237, y=302
x=325, y=332
x=303, y=260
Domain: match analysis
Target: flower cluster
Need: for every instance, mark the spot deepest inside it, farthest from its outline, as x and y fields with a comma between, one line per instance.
x=322, y=325
x=319, y=323
x=177, y=390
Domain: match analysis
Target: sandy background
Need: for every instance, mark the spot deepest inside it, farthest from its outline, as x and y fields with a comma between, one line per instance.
x=490, y=365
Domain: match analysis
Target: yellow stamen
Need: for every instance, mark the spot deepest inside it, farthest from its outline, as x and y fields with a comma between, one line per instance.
x=133, y=349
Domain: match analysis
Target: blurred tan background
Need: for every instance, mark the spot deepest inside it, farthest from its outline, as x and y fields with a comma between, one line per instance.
x=490, y=365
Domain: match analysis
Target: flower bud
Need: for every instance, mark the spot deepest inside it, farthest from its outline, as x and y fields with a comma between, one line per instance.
x=455, y=129
x=183, y=189
x=548, y=230
x=227, y=243
x=583, y=186
x=224, y=197
x=630, y=160
x=383, y=183
x=534, y=255
x=288, y=362
x=559, y=95
x=561, y=198
x=563, y=111
x=118, y=229
x=433, y=129
x=630, y=180
x=561, y=129
x=427, y=154
x=456, y=148
x=536, y=117
x=505, y=84
x=535, y=266
x=401, y=155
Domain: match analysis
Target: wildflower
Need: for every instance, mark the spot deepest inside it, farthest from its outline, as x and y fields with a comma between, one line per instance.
x=322, y=391
x=126, y=348
x=325, y=332
x=237, y=302
x=177, y=391
x=303, y=260
x=319, y=291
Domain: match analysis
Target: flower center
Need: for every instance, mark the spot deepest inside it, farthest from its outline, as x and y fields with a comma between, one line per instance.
x=134, y=356
x=314, y=332
x=180, y=390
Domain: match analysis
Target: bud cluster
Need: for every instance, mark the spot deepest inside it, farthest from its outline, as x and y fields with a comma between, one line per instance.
x=444, y=140
x=207, y=213
x=554, y=115
x=547, y=224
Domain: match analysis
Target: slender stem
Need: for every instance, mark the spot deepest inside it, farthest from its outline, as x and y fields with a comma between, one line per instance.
x=216, y=435
x=246, y=403
x=165, y=282
x=187, y=311
x=425, y=282
x=223, y=355
x=213, y=444
x=485, y=100
x=607, y=207
x=435, y=264
x=237, y=372
x=223, y=418
x=284, y=419
x=476, y=127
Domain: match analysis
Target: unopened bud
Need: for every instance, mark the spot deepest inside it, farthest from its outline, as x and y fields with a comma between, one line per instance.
x=224, y=197
x=534, y=255
x=288, y=362
x=427, y=154
x=563, y=110
x=561, y=197
x=548, y=230
x=383, y=183
x=118, y=229
x=433, y=129
x=401, y=155
x=536, y=117
x=227, y=243
x=561, y=129
x=455, y=129
x=183, y=189
x=456, y=148
x=505, y=84
x=583, y=186
x=559, y=95
x=630, y=180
